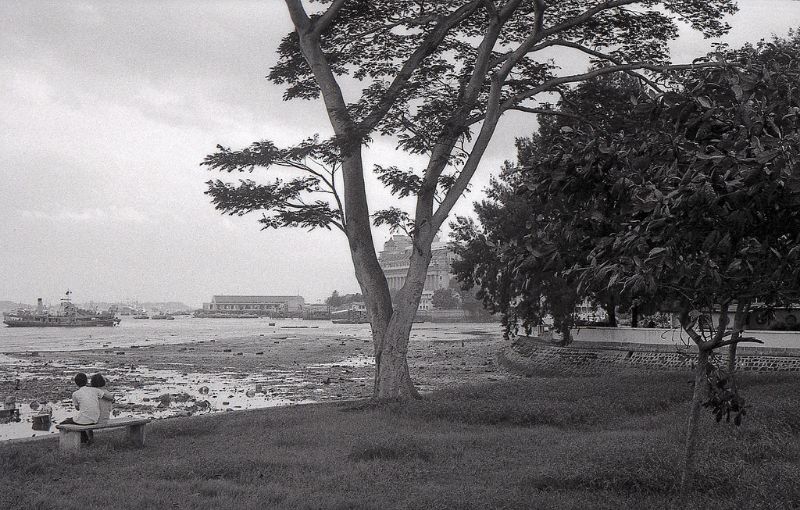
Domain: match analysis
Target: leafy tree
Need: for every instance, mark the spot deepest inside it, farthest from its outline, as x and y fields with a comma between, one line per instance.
x=444, y=299
x=437, y=76
x=532, y=232
x=334, y=300
x=710, y=175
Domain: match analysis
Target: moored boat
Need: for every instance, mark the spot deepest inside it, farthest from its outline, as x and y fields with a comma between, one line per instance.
x=68, y=315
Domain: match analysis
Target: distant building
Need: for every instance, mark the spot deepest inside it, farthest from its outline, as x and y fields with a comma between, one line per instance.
x=394, y=260
x=255, y=304
x=316, y=311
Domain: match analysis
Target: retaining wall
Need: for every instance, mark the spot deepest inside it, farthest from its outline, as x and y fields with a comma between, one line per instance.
x=655, y=336
x=526, y=353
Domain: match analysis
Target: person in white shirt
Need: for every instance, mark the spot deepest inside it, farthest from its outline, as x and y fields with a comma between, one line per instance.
x=87, y=401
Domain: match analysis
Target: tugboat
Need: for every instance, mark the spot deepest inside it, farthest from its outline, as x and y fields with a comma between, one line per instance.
x=68, y=315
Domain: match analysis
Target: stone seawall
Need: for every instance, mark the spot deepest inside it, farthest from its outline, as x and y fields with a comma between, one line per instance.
x=528, y=353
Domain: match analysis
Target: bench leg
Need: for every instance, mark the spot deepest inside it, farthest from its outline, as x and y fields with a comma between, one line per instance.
x=69, y=441
x=136, y=435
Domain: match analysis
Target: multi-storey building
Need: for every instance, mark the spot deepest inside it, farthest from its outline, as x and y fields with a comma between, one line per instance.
x=254, y=304
x=394, y=261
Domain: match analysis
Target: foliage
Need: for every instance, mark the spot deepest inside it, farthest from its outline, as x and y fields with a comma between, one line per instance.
x=286, y=202
x=714, y=187
x=534, y=231
x=335, y=299
x=445, y=299
x=436, y=77
x=724, y=400
x=681, y=200
x=426, y=69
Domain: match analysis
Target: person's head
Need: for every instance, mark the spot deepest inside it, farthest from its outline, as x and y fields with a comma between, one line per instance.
x=98, y=381
x=81, y=379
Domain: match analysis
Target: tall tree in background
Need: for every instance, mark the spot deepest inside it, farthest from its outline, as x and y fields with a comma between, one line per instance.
x=438, y=77
x=696, y=198
x=714, y=218
x=539, y=220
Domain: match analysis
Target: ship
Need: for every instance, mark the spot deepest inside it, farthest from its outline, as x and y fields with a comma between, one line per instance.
x=67, y=316
x=163, y=316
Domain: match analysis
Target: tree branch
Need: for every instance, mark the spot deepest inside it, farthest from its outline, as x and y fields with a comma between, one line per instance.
x=493, y=112
x=748, y=339
x=545, y=111
x=429, y=43
x=322, y=23
x=454, y=127
x=602, y=56
x=561, y=80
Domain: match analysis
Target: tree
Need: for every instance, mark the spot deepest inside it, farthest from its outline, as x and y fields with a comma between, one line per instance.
x=444, y=299
x=334, y=299
x=710, y=175
x=536, y=231
x=438, y=77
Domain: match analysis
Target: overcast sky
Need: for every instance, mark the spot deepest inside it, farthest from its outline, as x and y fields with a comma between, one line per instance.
x=108, y=108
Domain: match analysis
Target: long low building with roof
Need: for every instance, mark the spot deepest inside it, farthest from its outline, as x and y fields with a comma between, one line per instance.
x=254, y=304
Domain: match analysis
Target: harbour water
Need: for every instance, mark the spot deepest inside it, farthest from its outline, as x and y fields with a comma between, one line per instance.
x=155, y=332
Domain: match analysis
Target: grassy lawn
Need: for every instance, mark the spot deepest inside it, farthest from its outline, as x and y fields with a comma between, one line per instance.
x=552, y=442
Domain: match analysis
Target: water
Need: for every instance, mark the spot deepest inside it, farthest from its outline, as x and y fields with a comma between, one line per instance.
x=140, y=331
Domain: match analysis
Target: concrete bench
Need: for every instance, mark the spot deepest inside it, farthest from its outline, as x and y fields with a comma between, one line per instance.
x=70, y=433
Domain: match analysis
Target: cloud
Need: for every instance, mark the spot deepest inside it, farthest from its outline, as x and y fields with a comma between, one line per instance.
x=91, y=215
x=109, y=107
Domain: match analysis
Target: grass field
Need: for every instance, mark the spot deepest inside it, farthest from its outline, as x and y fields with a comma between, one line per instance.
x=612, y=441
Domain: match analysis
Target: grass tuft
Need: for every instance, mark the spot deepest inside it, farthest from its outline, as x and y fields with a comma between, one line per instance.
x=396, y=448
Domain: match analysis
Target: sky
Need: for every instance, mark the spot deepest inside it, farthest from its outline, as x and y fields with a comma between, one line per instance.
x=109, y=107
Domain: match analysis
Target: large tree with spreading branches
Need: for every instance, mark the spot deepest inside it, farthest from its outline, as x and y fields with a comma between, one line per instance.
x=436, y=76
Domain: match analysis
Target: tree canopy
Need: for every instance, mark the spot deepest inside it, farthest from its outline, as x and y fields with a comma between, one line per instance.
x=691, y=203
x=532, y=231
x=435, y=77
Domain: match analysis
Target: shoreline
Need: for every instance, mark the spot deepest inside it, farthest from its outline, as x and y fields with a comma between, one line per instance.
x=239, y=373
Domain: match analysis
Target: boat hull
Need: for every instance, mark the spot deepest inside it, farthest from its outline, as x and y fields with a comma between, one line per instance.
x=54, y=324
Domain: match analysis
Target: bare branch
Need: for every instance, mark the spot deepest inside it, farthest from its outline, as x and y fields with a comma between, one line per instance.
x=322, y=23
x=739, y=340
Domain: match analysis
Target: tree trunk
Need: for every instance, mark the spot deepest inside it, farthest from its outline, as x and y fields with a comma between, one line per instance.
x=612, y=315
x=700, y=394
x=732, y=359
x=566, y=337
x=635, y=317
x=739, y=322
x=393, y=379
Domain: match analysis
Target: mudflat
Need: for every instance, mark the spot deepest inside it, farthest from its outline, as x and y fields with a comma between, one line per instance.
x=283, y=366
